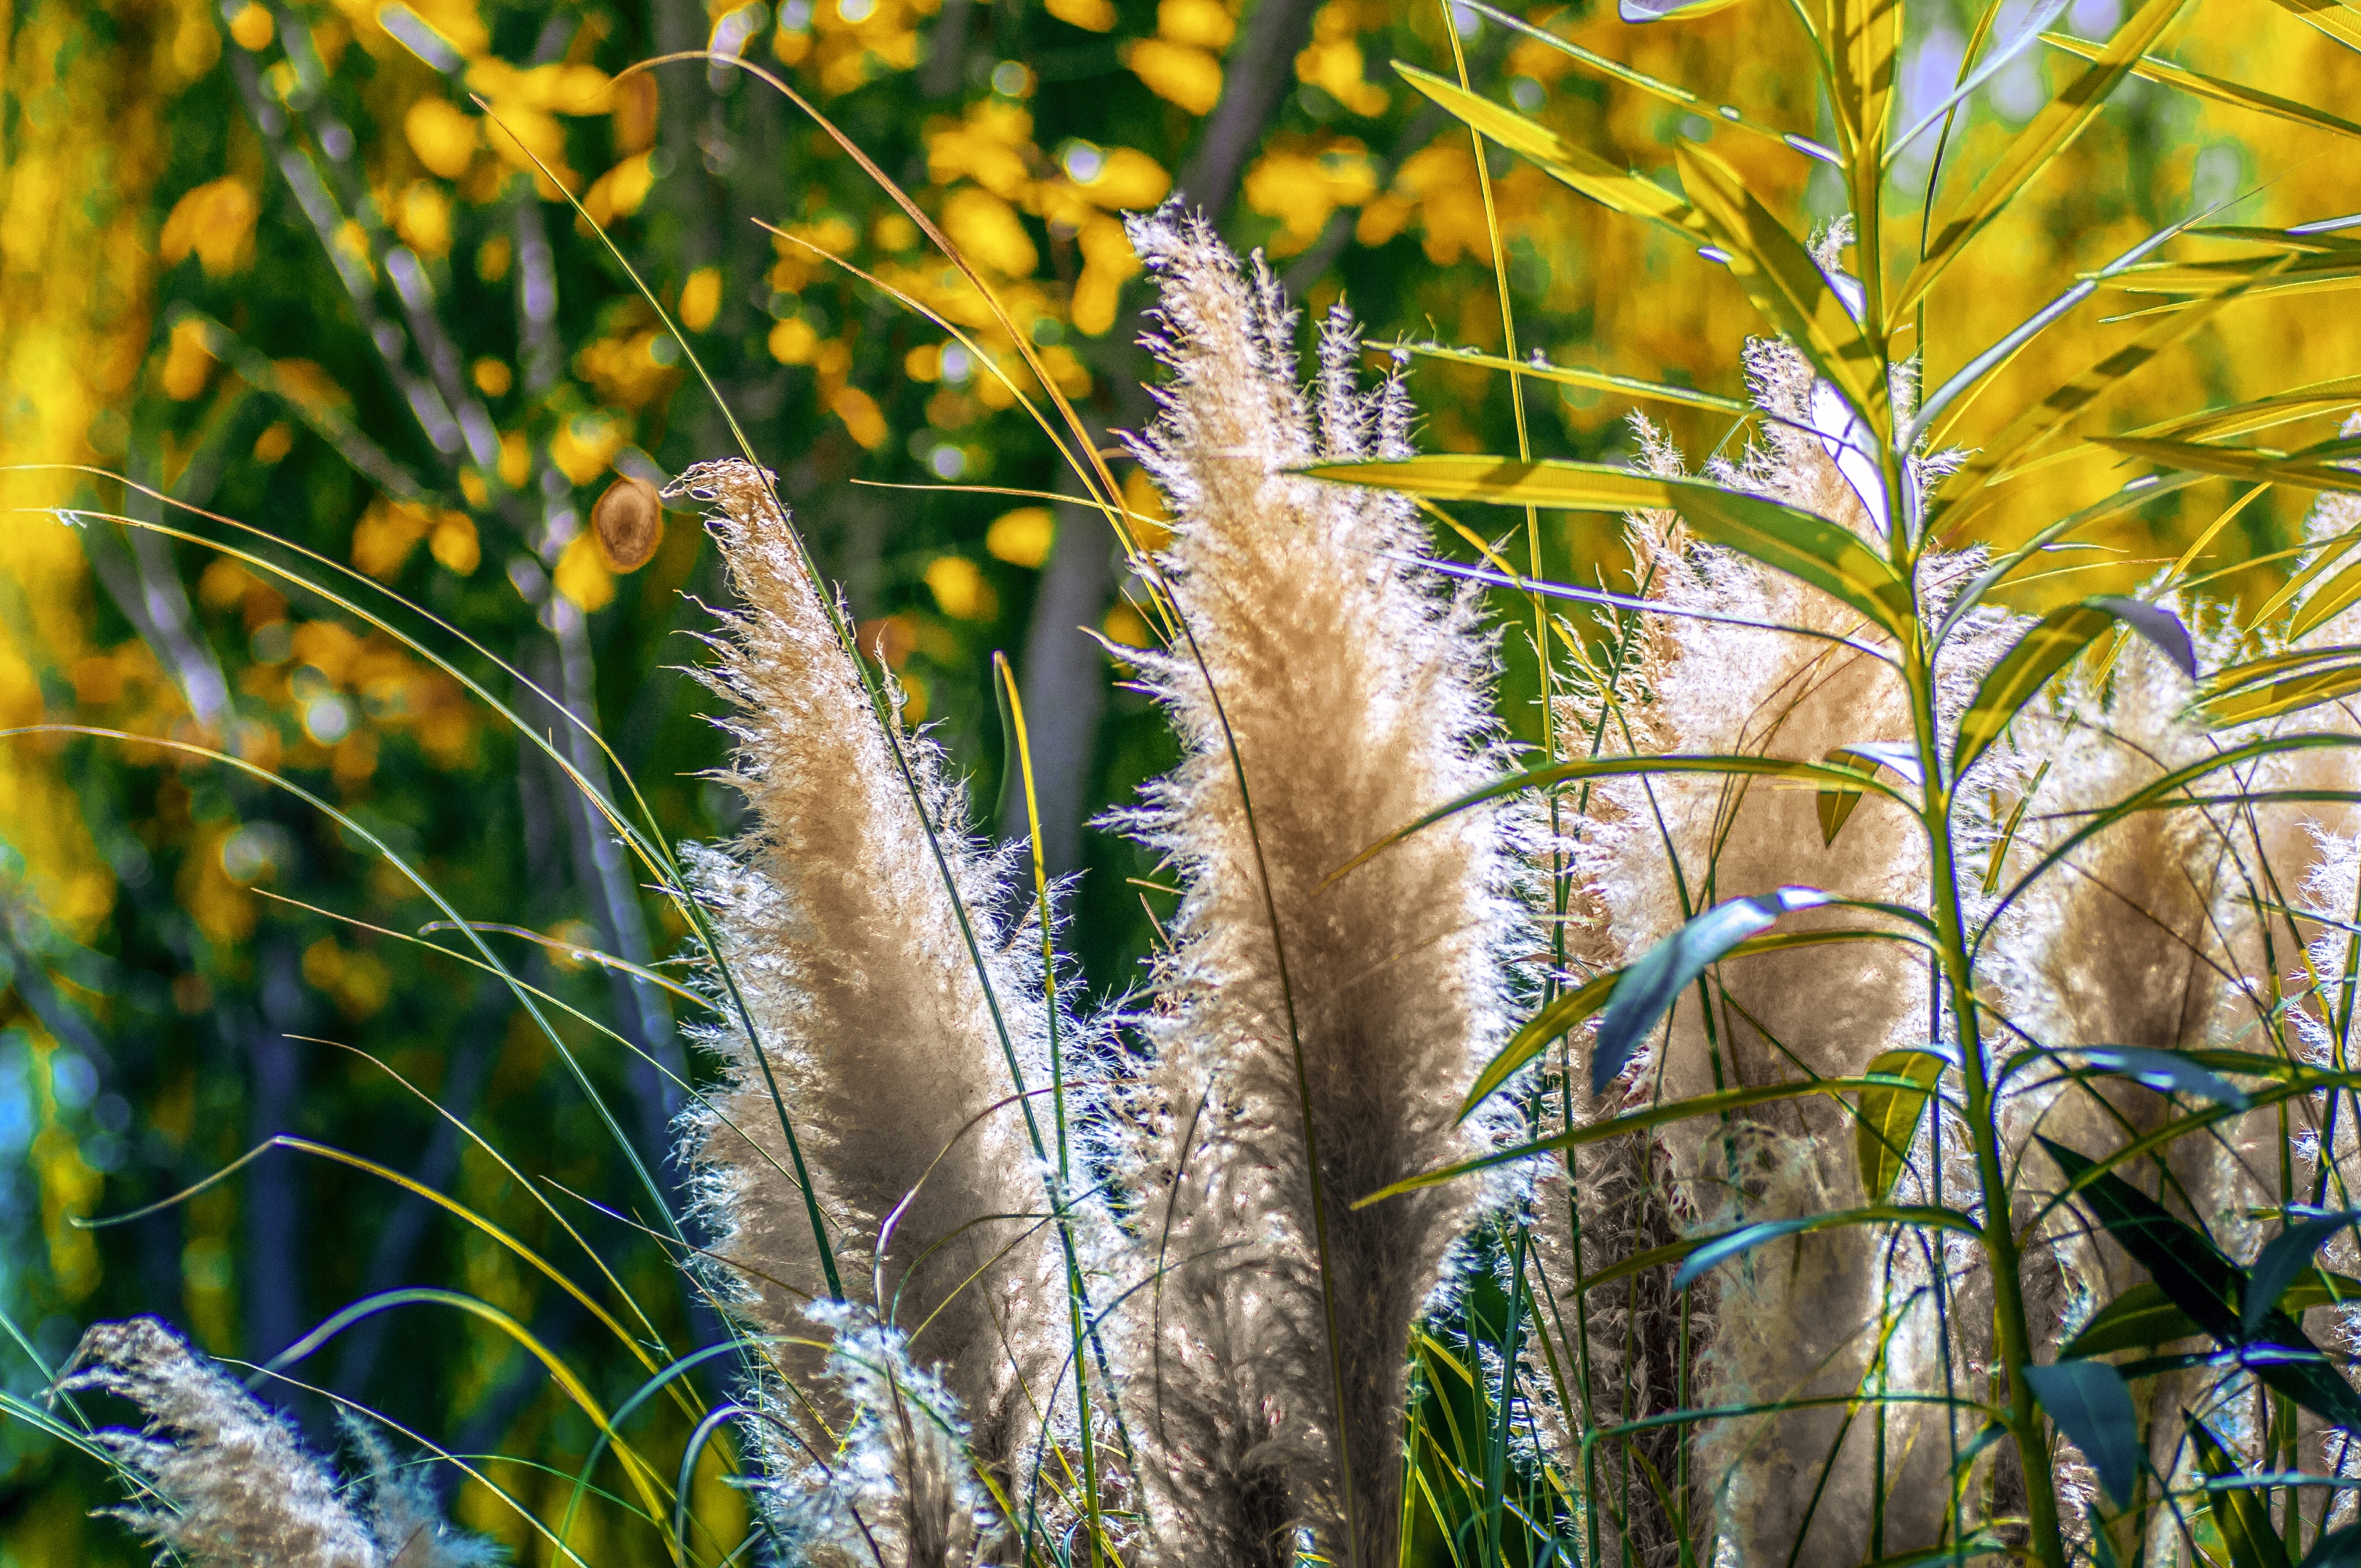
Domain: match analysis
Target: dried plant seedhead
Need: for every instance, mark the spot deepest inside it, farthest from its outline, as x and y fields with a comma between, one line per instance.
x=629, y=520
x=1323, y=662
x=234, y=1485
x=893, y=1017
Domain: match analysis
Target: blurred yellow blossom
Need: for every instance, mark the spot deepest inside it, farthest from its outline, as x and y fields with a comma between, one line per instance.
x=987, y=230
x=187, y=363
x=584, y=445
x=454, y=543
x=959, y=589
x=444, y=137
x=793, y=341
x=987, y=144
x=1207, y=24
x=619, y=192
x=423, y=219
x=1092, y=16
x=277, y=440
x=492, y=377
x=216, y=221
x=1177, y=72
x=582, y=577
x=390, y=530
x=1333, y=62
x=862, y=419
x=1107, y=261
x=1022, y=537
x=252, y=26
x=516, y=459
x=701, y=297
x=1301, y=181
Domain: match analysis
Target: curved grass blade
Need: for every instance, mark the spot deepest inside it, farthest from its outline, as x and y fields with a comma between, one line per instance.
x=2263, y=464
x=1702, y=1253
x=1836, y=802
x=2237, y=419
x=2242, y=1518
x=1576, y=1007
x=1655, y=87
x=1864, y=38
x=1575, y=375
x=1889, y=1117
x=2292, y=695
x=2333, y=598
x=1645, y=991
x=1804, y=545
x=2144, y=1316
x=2286, y=1255
x=2235, y=94
x=1639, y=12
x=2338, y=22
x=1986, y=69
x=1614, y=767
x=2052, y=131
x=2167, y=1073
x=2052, y=644
x=1617, y=190
x=1656, y=1115
x=2211, y=1289
x=2093, y=1404
x=1785, y=283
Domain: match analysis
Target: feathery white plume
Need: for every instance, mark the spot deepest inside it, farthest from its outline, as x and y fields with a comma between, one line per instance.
x=1350, y=692
x=232, y=1485
x=885, y=1039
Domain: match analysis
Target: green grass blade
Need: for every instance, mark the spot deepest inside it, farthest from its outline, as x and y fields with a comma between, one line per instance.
x=1890, y=1115
x=2212, y=88
x=2052, y=132
x=1831, y=558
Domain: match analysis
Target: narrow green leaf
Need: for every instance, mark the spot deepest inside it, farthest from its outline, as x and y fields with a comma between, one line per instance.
x=2167, y=1073
x=2244, y=1518
x=2330, y=17
x=1607, y=768
x=1745, y=1239
x=2052, y=132
x=2263, y=464
x=2048, y=647
x=1637, y=12
x=1864, y=38
x=1889, y=1118
x=1785, y=283
x=1570, y=1011
x=2333, y=598
x=2286, y=1255
x=2339, y=1548
x=2211, y=1289
x=1646, y=990
x=2252, y=705
x=2237, y=419
x=2145, y=1316
x=2213, y=88
x=1829, y=557
x=2092, y=1406
x=1617, y=190
x=1575, y=375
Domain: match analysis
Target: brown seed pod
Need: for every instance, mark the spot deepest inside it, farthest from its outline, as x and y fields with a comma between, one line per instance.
x=629, y=520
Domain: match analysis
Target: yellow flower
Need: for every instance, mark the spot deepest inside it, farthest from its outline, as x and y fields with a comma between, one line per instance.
x=1022, y=537
x=793, y=341
x=1092, y=16
x=253, y=27
x=860, y=415
x=582, y=578
x=959, y=589
x=492, y=377
x=187, y=363
x=1336, y=68
x=454, y=543
x=989, y=232
x=701, y=297
x=443, y=138
x=1301, y=185
x=216, y=221
x=584, y=447
x=516, y=459
x=1107, y=261
x=1177, y=72
x=619, y=192
x=422, y=218
x=1204, y=23
x=1127, y=178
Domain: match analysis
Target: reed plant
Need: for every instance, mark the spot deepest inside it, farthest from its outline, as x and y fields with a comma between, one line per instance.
x=1871, y=1086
